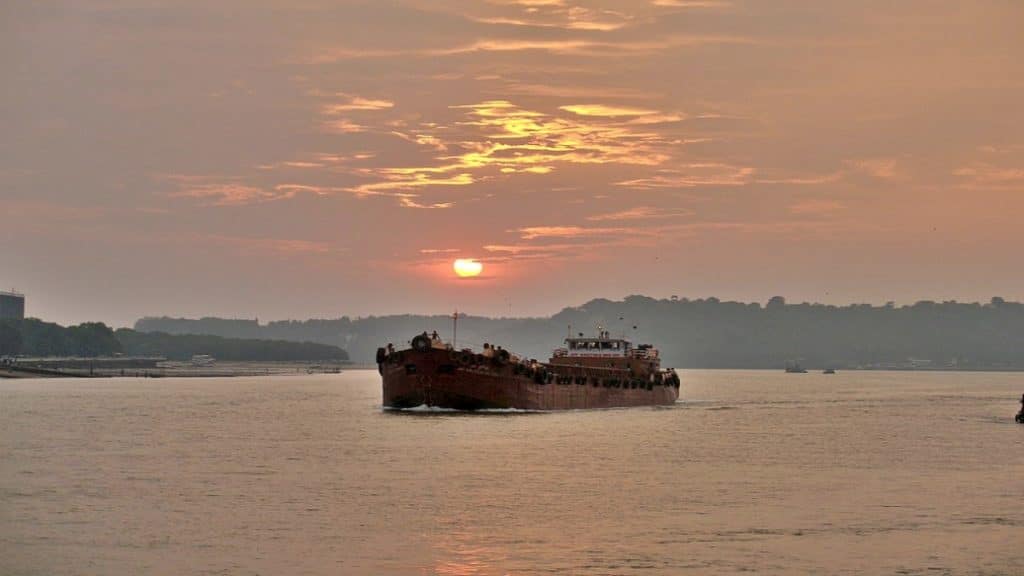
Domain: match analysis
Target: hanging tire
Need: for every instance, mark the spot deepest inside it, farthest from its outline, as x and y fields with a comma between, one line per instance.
x=421, y=343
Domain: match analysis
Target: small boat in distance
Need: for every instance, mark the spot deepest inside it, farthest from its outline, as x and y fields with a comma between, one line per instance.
x=829, y=371
x=794, y=367
x=599, y=372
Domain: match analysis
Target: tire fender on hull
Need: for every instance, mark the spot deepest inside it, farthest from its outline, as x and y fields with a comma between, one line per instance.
x=421, y=343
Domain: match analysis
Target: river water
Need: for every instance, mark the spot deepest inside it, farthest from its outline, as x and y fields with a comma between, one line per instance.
x=856, y=473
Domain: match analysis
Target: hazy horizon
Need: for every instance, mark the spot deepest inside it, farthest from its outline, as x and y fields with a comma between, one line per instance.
x=264, y=320
x=320, y=159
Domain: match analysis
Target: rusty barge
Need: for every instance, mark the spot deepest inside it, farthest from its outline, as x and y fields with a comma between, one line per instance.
x=588, y=373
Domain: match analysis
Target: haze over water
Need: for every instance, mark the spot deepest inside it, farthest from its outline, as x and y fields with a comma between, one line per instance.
x=857, y=473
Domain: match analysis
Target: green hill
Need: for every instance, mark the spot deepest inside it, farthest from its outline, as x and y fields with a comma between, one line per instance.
x=702, y=333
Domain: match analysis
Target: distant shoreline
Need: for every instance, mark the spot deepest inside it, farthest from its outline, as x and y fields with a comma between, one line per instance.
x=240, y=369
x=172, y=369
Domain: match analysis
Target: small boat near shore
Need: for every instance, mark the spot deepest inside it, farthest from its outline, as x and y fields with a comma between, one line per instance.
x=795, y=368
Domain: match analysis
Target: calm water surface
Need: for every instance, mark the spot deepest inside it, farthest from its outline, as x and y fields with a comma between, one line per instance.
x=909, y=473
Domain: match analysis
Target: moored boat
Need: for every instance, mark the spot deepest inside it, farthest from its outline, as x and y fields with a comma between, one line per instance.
x=794, y=367
x=598, y=372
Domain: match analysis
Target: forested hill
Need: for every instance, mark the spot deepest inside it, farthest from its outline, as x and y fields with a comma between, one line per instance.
x=705, y=333
x=32, y=337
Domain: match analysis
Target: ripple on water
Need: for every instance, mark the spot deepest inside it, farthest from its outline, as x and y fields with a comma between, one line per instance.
x=749, y=471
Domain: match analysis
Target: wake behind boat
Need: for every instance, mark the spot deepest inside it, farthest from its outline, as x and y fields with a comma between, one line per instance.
x=600, y=372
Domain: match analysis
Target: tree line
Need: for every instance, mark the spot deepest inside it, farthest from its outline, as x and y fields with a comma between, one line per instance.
x=33, y=337
x=698, y=333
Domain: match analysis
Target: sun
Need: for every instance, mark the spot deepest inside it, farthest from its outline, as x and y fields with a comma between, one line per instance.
x=467, y=267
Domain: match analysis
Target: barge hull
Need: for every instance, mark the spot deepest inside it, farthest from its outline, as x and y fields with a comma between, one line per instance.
x=435, y=378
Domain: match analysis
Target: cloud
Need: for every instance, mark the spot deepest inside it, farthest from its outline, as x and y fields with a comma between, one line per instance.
x=410, y=202
x=230, y=194
x=351, y=103
x=639, y=213
x=397, y=185
x=297, y=164
x=552, y=252
x=500, y=139
x=577, y=47
x=694, y=175
x=808, y=180
x=559, y=15
x=235, y=193
x=658, y=119
x=606, y=111
x=529, y=3
x=423, y=140
x=575, y=91
x=987, y=176
x=535, y=232
x=331, y=158
x=342, y=126
x=881, y=168
x=295, y=189
x=692, y=3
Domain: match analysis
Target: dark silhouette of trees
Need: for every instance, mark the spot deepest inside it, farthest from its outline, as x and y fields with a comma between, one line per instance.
x=702, y=333
x=184, y=346
x=32, y=337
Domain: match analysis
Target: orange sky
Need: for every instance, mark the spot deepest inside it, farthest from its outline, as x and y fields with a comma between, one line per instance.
x=307, y=158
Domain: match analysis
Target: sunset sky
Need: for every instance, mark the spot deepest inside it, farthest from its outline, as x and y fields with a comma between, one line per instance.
x=316, y=159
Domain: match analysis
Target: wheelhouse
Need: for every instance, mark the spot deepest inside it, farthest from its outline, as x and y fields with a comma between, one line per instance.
x=597, y=347
x=604, y=346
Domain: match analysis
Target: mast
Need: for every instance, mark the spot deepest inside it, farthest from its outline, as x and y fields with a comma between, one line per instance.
x=455, y=330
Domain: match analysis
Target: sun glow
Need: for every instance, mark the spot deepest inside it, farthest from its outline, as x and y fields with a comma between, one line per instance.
x=467, y=267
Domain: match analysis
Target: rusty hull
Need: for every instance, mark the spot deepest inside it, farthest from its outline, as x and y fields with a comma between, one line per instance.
x=458, y=380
